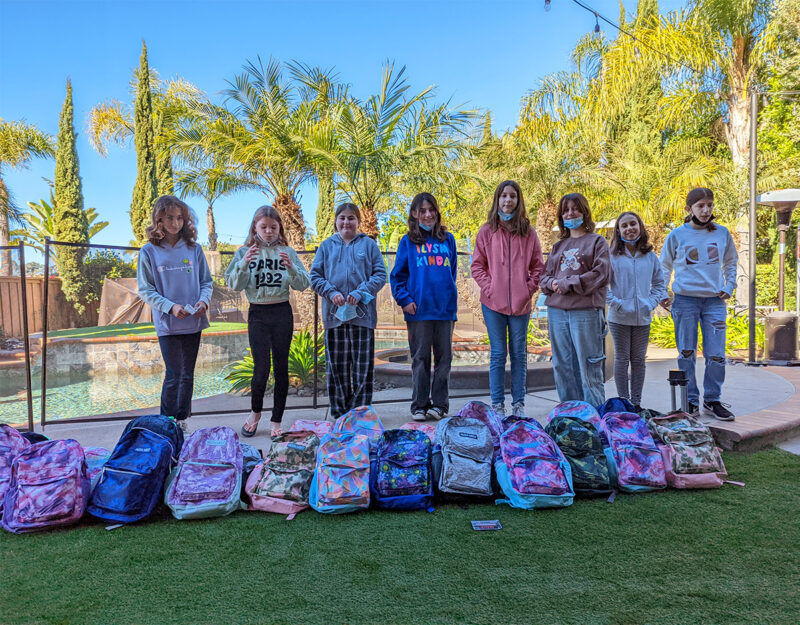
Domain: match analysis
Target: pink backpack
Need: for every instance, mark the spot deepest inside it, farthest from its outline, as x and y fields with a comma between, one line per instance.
x=96, y=457
x=691, y=458
x=48, y=487
x=11, y=444
x=281, y=482
x=320, y=428
x=426, y=428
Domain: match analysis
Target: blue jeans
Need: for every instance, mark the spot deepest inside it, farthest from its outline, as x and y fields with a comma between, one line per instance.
x=711, y=314
x=515, y=327
x=180, y=354
x=577, y=341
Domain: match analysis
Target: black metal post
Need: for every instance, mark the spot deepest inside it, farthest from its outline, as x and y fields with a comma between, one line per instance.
x=316, y=347
x=45, y=295
x=751, y=264
x=26, y=333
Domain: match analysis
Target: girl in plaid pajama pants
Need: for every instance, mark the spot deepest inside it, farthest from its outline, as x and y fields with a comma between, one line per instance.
x=347, y=273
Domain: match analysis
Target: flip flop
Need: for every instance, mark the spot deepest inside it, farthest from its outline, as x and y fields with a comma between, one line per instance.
x=249, y=433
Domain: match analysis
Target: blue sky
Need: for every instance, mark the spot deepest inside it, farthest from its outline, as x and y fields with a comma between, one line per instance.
x=480, y=54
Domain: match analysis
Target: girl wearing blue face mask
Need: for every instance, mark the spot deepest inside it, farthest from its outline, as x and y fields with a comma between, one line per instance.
x=636, y=288
x=575, y=279
x=347, y=273
x=424, y=285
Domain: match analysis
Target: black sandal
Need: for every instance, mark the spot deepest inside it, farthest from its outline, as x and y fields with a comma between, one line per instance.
x=249, y=433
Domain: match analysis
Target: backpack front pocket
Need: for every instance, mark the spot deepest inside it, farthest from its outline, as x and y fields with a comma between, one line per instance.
x=281, y=483
x=538, y=476
x=122, y=491
x=343, y=485
x=46, y=500
x=640, y=466
x=464, y=474
x=695, y=457
x=200, y=481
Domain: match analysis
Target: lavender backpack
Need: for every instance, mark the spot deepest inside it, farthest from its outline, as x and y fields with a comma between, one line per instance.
x=207, y=481
x=96, y=458
x=48, y=488
x=11, y=444
x=483, y=413
x=531, y=470
x=634, y=461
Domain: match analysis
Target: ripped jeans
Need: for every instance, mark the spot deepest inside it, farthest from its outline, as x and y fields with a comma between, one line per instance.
x=710, y=313
x=578, y=345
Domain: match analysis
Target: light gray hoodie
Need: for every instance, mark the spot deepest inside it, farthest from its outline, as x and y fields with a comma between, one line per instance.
x=353, y=268
x=637, y=286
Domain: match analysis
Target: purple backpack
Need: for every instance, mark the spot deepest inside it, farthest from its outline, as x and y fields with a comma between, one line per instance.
x=634, y=461
x=576, y=410
x=483, y=413
x=48, y=487
x=207, y=481
x=11, y=444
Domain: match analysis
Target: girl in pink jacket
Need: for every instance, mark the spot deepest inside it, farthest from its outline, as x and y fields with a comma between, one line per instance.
x=506, y=264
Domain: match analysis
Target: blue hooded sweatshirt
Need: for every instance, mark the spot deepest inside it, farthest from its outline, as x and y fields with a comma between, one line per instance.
x=356, y=268
x=426, y=275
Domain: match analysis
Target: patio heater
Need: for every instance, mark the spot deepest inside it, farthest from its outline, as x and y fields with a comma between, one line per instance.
x=781, y=326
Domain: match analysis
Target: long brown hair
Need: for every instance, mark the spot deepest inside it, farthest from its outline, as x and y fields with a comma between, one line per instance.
x=618, y=245
x=415, y=233
x=155, y=231
x=583, y=206
x=694, y=196
x=268, y=212
x=519, y=223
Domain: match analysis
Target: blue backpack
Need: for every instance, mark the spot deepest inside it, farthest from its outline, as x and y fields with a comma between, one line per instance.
x=401, y=477
x=616, y=404
x=132, y=480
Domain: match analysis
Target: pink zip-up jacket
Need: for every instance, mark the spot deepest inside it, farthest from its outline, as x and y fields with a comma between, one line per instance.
x=507, y=268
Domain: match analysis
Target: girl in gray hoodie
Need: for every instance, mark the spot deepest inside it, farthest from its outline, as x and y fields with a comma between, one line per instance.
x=347, y=273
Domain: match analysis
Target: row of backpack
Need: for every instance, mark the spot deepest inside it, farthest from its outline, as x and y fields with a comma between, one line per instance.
x=354, y=464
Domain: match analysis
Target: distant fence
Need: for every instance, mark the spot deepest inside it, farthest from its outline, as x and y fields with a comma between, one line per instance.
x=60, y=312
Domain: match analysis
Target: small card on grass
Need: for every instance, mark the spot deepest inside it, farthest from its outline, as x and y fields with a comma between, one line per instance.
x=486, y=525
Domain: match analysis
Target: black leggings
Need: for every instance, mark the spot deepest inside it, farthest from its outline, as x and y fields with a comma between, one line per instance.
x=270, y=327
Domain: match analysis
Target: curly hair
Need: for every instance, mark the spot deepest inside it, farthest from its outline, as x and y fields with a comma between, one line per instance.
x=155, y=231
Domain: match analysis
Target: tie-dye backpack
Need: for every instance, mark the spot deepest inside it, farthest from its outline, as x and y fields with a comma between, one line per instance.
x=483, y=413
x=691, y=458
x=633, y=458
x=362, y=420
x=401, y=477
x=48, y=487
x=207, y=482
x=616, y=404
x=571, y=426
x=531, y=470
x=462, y=458
x=11, y=444
x=320, y=428
x=281, y=482
x=341, y=479
x=132, y=480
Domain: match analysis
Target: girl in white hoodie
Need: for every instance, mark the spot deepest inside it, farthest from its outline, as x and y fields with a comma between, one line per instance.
x=636, y=288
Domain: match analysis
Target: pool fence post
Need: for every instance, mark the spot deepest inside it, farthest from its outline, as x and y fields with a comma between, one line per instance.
x=25, y=333
x=316, y=324
x=45, y=294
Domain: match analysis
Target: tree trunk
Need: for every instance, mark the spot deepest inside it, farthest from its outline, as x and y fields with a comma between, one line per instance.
x=5, y=258
x=655, y=233
x=737, y=130
x=212, y=229
x=545, y=218
x=369, y=222
x=295, y=229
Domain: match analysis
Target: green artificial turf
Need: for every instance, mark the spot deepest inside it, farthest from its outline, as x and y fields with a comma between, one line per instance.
x=726, y=556
x=132, y=329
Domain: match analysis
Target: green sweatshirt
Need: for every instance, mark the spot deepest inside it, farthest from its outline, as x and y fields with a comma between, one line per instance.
x=265, y=279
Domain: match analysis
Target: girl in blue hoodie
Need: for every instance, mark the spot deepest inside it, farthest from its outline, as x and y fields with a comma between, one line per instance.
x=347, y=273
x=424, y=285
x=174, y=280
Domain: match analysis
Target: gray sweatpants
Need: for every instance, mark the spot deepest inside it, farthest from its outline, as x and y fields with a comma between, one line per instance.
x=630, y=348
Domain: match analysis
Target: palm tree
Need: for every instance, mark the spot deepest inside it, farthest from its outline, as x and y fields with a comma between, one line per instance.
x=709, y=58
x=19, y=143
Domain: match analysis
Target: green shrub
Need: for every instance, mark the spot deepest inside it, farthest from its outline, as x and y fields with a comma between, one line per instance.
x=662, y=333
x=767, y=287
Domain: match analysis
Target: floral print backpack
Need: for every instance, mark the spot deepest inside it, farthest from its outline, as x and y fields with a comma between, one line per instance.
x=401, y=477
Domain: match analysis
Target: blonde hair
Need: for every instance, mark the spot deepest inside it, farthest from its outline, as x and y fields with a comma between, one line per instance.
x=267, y=212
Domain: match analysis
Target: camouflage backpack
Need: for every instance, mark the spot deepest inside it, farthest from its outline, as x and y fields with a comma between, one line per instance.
x=691, y=459
x=281, y=482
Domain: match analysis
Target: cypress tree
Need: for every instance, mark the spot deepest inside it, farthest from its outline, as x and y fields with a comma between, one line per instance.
x=325, y=207
x=145, y=191
x=164, y=175
x=487, y=128
x=69, y=220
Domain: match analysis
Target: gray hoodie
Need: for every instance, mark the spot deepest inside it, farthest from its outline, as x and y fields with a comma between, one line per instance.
x=353, y=268
x=637, y=286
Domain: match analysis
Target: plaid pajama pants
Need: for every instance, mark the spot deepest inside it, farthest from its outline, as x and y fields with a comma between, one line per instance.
x=350, y=367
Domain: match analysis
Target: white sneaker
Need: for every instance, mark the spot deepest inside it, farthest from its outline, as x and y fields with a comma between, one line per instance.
x=183, y=424
x=518, y=410
x=419, y=415
x=499, y=409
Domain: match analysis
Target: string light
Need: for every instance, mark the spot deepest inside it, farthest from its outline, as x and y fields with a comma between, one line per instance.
x=596, y=24
x=547, y=6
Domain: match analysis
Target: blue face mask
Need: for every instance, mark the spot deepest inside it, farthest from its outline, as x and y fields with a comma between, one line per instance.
x=506, y=216
x=425, y=228
x=573, y=224
x=346, y=311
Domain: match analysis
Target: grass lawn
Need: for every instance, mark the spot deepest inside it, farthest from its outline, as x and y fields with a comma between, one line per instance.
x=132, y=329
x=727, y=556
